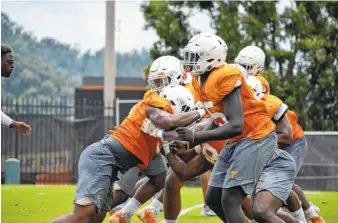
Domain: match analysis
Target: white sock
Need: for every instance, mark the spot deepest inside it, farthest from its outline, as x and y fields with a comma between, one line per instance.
x=299, y=215
x=310, y=212
x=156, y=204
x=169, y=221
x=131, y=205
x=120, y=206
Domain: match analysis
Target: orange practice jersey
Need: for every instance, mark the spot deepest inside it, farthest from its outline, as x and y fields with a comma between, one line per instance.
x=221, y=82
x=297, y=130
x=130, y=135
x=275, y=106
x=210, y=149
x=265, y=83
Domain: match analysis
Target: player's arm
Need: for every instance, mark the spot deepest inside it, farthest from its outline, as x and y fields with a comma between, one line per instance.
x=233, y=111
x=185, y=171
x=283, y=126
x=167, y=121
x=204, y=124
x=187, y=155
x=284, y=132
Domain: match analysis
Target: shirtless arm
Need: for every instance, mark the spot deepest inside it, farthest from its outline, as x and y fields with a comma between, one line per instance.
x=185, y=171
x=202, y=125
x=168, y=121
x=284, y=132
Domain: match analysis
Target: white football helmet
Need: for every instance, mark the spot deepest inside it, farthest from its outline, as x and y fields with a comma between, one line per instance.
x=256, y=85
x=252, y=58
x=240, y=68
x=165, y=71
x=204, y=52
x=180, y=98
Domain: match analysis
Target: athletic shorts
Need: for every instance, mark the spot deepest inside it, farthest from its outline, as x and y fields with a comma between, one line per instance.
x=278, y=176
x=129, y=179
x=241, y=163
x=98, y=169
x=297, y=149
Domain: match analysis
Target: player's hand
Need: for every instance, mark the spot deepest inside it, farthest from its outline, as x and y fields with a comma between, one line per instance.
x=178, y=146
x=185, y=134
x=22, y=128
x=149, y=128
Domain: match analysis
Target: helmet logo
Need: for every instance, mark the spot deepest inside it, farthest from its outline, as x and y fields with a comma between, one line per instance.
x=161, y=74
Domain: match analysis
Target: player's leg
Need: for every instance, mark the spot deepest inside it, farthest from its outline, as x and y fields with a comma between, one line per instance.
x=247, y=159
x=172, y=197
x=247, y=208
x=294, y=206
x=204, y=180
x=172, y=191
x=124, y=188
x=310, y=212
x=97, y=169
x=274, y=187
x=298, y=151
x=216, y=182
x=156, y=172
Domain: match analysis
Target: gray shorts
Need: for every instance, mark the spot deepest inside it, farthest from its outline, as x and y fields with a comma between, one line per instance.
x=97, y=170
x=278, y=176
x=129, y=179
x=241, y=163
x=297, y=149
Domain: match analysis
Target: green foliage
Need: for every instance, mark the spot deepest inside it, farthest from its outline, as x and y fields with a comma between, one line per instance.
x=300, y=45
x=47, y=68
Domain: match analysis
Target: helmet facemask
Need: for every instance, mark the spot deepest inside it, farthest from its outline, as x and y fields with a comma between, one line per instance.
x=196, y=63
x=252, y=69
x=157, y=83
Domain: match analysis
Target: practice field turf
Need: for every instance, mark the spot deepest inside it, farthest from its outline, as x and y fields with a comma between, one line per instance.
x=35, y=204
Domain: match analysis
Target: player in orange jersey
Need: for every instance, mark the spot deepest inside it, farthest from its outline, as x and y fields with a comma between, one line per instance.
x=277, y=111
x=297, y=148
x=191, y=163
x=252, y=58
x=128, y=147
x=164, y=71
x=248, y=163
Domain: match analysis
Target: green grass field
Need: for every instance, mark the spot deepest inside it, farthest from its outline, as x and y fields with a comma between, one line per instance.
x=40, y=204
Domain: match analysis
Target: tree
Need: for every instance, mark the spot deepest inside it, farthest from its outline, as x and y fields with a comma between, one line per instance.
x=48, y=68
x=300, y=45
x=67, y=57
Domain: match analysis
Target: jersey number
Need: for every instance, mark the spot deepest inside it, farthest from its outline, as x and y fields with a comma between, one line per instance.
x=210, y=153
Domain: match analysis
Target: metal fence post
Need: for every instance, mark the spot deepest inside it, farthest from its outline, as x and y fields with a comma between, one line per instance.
x=16, y=134
x=117, y=112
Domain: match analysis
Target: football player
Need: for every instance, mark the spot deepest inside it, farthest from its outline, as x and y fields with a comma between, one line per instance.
x=192, y=163
x=296, y=146
x=164, y=71
x=182, y=101
x=247, y=164
x=126, y=148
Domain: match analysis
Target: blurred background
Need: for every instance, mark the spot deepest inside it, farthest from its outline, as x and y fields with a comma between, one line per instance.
x=58, y=83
